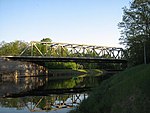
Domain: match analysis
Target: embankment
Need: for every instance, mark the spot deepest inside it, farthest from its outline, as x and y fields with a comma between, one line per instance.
x=10, y=69
x=126, y=92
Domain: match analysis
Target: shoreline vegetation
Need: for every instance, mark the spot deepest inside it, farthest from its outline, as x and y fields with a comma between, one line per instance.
x=70, y=73
x=77, y=72
x=125, y=92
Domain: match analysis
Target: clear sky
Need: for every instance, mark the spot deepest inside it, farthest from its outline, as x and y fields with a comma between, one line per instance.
x=70, y=21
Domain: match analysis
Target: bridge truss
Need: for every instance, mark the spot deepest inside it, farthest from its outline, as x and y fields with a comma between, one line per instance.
x=54, y=49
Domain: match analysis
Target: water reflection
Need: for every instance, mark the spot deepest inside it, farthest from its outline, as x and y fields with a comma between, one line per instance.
x=42, y=94
x=27, y=87
x=21, y=85
x=45, y=93
x=43, y=103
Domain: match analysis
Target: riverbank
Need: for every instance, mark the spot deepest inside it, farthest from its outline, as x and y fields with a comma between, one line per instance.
x=126, y=92
x=69, y=73
x=75, y=72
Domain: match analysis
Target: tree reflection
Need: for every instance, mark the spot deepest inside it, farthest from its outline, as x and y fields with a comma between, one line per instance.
x=44, y=103
x=46, y=93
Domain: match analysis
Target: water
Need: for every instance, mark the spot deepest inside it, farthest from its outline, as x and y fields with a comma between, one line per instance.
x=52, y=103
x=57, y=94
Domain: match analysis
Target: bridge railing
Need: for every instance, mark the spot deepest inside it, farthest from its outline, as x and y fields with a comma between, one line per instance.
x=54, y=49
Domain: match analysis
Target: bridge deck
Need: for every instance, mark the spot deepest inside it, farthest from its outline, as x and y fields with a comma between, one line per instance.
x=65, y=59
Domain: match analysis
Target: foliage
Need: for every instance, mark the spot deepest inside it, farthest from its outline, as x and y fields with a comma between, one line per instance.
x=135, y=31
x=12, y=48
x=60, y=65
x=40, y=47
x=11, y=103
x=127, y=92
x=46, y=40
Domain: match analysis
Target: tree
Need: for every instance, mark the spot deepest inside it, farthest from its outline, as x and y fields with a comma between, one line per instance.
x=135, y=31
x=40, y=48
x=46, y=40
x=12, y=48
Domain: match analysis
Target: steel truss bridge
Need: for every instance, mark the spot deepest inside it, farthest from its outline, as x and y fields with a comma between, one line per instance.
x=65, y=52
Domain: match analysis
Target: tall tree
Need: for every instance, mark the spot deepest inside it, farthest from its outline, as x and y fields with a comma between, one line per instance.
x=135, y=30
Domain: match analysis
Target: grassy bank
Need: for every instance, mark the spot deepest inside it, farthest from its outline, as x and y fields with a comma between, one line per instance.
x=126, y=92
x=69, y=73
x=75, y=72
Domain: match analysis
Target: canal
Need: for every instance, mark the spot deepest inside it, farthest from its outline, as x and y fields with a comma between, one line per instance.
x=45, y=93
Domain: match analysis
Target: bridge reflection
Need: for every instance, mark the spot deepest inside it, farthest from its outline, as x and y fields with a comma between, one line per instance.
x=53, y=102
x=44, y=103
x=41, y=97
x=44, y=94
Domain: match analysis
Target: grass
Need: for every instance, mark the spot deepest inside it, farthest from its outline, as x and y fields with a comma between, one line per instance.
x=69, y=73
x=78, y=71
x=126, y=92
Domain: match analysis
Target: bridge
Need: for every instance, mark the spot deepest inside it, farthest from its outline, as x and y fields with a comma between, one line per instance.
x=65, y=52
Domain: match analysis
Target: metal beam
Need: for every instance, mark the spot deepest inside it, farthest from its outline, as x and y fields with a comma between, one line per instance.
x=65, y=59
x=73, y=50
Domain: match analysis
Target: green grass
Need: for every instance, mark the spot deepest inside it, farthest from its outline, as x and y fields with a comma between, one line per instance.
x=78, y=71
x=126, y=92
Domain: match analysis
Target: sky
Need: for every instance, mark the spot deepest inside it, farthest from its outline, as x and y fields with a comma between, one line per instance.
x=91, y=22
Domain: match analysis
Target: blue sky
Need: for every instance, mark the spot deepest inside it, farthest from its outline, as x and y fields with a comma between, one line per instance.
x=70, y=21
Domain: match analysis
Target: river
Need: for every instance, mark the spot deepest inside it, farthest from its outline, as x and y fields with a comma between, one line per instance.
x=42, y=94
